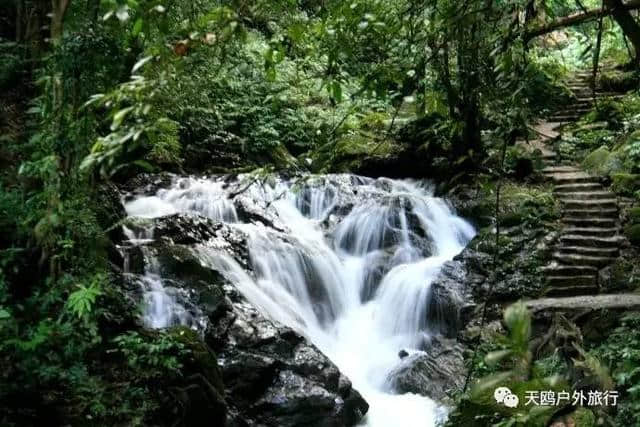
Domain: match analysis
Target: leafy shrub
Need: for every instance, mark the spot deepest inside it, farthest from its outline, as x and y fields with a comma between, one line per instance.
x=621, y=352
x=608, y=110
x=12, y=63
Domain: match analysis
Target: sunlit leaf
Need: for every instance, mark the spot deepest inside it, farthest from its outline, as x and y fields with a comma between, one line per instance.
x=141, y=63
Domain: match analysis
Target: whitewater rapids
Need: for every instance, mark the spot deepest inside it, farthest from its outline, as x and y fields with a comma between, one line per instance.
x=350, y=267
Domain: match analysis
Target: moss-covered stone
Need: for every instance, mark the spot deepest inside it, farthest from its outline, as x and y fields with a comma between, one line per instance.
x=625, y=184
x=202, y=393
x=633, y=234
x=622, y=275
x=619, y=82
x=350, y=151
x=597, y=161
x=583, y=417
x=511, y=219
x=634, y=215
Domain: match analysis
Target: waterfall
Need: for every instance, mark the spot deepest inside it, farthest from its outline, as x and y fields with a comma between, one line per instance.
x=349, y=264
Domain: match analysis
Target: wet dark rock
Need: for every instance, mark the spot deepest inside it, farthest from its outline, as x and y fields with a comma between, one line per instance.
x=269, y=375
x=131, y=259
x=249, y=212
x=110, y=211
x=274, y=377
x=216, y=153
x=146, y=184
x=436, y=372
x=402, y=354
x=471, y=205
x=185, y=229
x=201, y=392
x=451, y=300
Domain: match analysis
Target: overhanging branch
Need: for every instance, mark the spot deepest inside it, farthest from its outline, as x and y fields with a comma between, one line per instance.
x=576, y=18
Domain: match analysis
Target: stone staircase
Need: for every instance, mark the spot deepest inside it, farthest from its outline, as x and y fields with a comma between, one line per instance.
x=589, y=239
x=585, y=100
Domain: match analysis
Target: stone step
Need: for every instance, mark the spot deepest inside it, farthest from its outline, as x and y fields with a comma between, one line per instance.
x=584, y=195
x=566, y=118
x=589, y=222
x=591, y=213
x=588, y=96
x=589, y=251
x=572, y=178
x=577, y=259
x=569, y=270
x=568, y=291
x=589, y=203
x=592, y=231
x=601, y=242
x=560, y=169
x=581, y=304
x=578, y=187
x=576, y=280
x=582, y=108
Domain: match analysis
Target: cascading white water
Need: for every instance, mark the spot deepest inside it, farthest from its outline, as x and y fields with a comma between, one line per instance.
x=358, y=286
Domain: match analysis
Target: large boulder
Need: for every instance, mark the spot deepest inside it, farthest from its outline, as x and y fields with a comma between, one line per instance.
x=436, y=373
x=269, y=375
x=451, y=300
x=273, y=377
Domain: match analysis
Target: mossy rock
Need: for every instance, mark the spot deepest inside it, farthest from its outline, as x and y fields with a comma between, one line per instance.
x=634, y=215
x=282, y=158
x=625, y=184
x=349, y=152
x=201, y=359
x=633, y=234
x=597, y=161
x=511, y=219
x=621, y=275
x=619, y=82
x=583, y=417
x=202, y=394
x=375, y=121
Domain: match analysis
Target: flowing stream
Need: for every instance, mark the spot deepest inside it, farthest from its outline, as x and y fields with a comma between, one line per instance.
x=347, y=261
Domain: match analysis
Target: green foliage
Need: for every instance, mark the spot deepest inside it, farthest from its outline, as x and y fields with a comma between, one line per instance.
x=514, y=362
x=151, y=357
x=515, y=346
x=82, y=301
x=136, y=125
x=632, y=149
x=632, y=233
x=609, y=111
x=621, y=353
x=12, y=63
x=625, y=184
x=224, y=86
x=527, y=205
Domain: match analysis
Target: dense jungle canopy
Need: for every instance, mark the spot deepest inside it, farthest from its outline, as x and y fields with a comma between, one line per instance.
x=318, y=212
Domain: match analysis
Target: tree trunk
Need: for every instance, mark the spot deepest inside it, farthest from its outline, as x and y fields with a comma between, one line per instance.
x=19, y=19
x=580, y=17
x=629, y=26
x=58, y=11
x=469, y=104
x=94, y=9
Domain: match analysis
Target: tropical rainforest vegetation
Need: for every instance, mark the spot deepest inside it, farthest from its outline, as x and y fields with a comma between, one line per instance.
x=96, y=92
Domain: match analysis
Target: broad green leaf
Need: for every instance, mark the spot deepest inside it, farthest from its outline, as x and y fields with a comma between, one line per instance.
x=495, y=357
x=140, y=63
x=119, y=117
x=137, y=27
